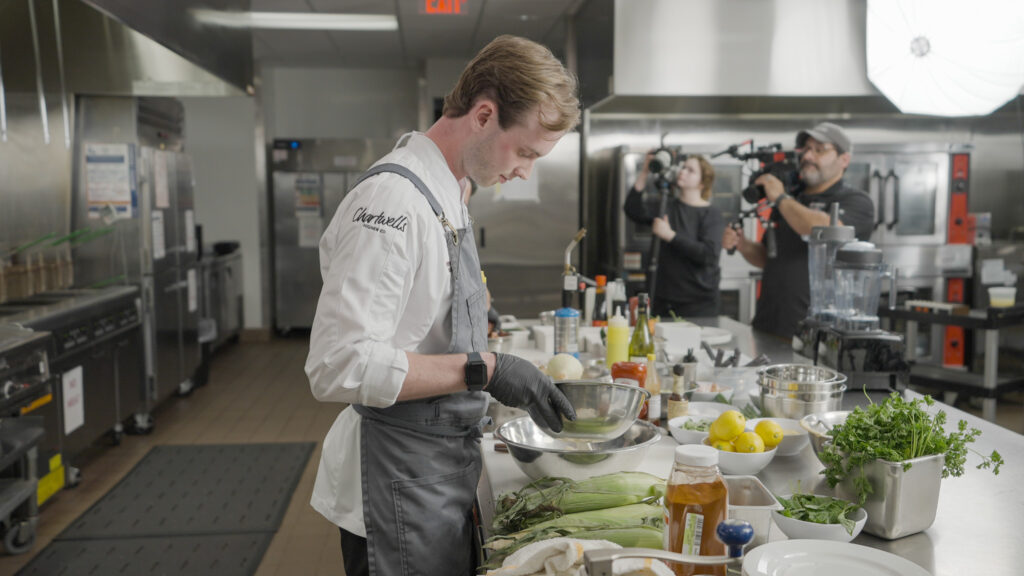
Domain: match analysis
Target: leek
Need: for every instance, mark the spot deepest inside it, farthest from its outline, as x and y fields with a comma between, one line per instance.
x=549, y=498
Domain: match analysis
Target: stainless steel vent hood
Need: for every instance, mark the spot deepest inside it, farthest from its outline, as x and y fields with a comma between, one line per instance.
x=106, y=53
x=738, y=56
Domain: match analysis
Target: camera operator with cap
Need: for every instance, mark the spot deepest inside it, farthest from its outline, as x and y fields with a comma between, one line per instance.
x=824, y=153
x=687, y=273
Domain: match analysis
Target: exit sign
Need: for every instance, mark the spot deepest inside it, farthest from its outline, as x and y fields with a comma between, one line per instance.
x=443, y=6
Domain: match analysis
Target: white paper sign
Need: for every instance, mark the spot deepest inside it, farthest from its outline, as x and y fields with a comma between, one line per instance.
x=190, y=231
x=160, y=181
x=280, y=156
x=518, y=190
x=159, y=244
x=108, y=179
x=193, y=292
x=311, y=227
x=74, y=400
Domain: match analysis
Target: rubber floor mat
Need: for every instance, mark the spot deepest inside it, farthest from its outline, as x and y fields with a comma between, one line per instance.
x=188, y=490
x=217, y=555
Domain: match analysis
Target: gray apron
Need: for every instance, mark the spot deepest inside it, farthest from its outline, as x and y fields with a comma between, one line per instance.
x=421, y=459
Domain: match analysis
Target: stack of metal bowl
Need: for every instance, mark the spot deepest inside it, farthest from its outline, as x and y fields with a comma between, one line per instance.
x=605, y=437
x=796, y=390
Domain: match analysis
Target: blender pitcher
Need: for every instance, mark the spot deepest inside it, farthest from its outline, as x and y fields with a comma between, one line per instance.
x=858, y=277
x=823, y=244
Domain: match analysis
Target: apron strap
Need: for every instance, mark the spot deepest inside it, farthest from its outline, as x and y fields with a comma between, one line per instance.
x=419, y=184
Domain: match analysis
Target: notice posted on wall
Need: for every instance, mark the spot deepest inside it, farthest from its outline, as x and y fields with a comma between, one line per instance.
x=193, y=290
x=311, y=227
x=110, y=180
x=74, y=400
x=159, y=243
x=308, y=191
x=518, y=190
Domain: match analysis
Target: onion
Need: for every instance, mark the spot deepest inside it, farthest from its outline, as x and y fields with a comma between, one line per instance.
x=565, y=367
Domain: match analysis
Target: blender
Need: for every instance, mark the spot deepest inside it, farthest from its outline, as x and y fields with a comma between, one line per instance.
x=822, y=245
x=872, y=358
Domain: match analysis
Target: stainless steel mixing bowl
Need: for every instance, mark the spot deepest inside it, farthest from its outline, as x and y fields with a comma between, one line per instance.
x=539, y=455
x=604, y=410
x=818, y=425
x=796, y=390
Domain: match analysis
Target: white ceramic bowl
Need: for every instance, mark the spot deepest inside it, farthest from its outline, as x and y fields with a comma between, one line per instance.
x=703, y=393
x=795, y=437
x=707, y=409
x=745, y=463
x=802, y=530
x=684, y=436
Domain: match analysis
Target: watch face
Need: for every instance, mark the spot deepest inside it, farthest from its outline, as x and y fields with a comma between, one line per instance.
x=476, y=374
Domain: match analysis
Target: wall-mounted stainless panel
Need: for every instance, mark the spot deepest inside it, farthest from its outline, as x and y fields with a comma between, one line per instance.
x=740, y=47
x=523, y=227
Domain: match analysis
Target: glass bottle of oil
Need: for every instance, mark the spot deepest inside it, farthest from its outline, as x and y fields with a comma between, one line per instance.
x=695, y=503
x=642, y=342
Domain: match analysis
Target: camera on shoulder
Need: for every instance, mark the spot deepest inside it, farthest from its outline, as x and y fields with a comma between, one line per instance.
x=771, y=159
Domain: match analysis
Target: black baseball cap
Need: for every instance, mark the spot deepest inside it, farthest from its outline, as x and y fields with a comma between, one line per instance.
x=826, y=133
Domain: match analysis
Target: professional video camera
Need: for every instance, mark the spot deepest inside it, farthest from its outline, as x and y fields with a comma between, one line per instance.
x=771, y=159
x=666, y=164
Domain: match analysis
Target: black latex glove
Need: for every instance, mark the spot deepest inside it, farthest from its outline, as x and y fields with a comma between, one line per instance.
x=519, y=384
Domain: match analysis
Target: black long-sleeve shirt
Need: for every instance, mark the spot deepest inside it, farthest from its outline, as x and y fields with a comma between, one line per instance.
x=688, y=272
x=786, y=285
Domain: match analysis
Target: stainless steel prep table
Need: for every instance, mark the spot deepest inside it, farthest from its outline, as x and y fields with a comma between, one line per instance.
x=975, y=529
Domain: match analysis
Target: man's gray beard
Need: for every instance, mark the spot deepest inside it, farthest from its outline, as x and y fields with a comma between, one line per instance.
x=813, y=179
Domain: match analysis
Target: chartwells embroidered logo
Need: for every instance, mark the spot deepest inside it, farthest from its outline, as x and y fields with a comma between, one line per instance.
x=369, y=219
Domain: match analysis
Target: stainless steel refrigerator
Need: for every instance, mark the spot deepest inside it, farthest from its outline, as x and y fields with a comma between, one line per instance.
x=133, y=186
x=309, y=178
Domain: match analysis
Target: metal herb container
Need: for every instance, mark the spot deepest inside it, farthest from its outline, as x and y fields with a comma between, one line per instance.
x=904, y=502
x=750, y=500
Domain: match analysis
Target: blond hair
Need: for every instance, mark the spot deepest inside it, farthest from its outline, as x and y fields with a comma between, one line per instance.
x=518, y=75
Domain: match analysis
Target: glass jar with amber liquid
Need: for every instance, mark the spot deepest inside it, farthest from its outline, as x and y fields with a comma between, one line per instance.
x=695, y=503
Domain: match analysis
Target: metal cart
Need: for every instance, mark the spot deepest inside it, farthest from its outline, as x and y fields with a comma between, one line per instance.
x=19, y=510
x=24, y=383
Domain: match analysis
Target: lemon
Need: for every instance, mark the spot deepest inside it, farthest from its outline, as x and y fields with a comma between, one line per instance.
x=749, y=442
x=728, y=425
x=723, y=445
x=770, y=432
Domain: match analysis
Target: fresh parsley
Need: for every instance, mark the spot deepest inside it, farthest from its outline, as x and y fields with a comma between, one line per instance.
x=897, y=431
x=819, y=509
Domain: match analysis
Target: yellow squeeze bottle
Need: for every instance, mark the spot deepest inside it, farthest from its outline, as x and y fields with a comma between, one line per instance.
x=618, y=339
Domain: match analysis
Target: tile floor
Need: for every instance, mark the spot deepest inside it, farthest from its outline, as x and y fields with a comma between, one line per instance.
x=258, y=393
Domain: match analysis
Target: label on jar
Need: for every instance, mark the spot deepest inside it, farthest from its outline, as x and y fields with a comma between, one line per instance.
x=627, y=381
x=693, y=529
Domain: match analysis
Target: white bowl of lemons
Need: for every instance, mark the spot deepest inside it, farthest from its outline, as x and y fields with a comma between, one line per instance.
x=794, y=437
x=742, y=451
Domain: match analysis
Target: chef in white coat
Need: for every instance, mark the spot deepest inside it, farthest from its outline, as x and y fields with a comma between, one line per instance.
x=400, y=331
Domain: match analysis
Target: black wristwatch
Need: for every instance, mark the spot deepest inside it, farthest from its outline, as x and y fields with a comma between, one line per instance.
x=476, y=372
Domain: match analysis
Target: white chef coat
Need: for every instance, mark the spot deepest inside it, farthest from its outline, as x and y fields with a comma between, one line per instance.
x=387, y=290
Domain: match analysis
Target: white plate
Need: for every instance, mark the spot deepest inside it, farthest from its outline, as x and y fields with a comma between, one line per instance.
x=712, y=336
x=815, y=557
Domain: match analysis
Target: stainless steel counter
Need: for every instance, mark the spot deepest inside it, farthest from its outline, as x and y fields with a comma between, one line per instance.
x=975, y=529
